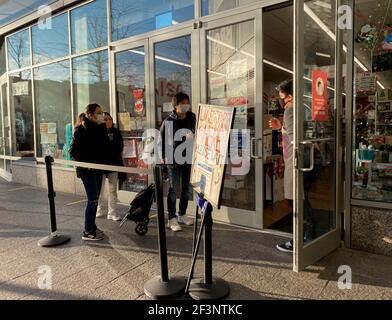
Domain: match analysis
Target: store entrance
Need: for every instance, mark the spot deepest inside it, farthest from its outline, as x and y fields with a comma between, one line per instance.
x=277, y=67
x=219, y=62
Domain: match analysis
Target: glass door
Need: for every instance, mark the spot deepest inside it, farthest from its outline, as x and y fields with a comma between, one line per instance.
x=132, y=115
x=173, y=68
x=318, y=96
x=5, y=166
x=231, y=75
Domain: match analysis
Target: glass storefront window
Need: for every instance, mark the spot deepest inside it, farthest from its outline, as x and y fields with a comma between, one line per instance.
x=372, y=134
x=3, y=67
x=91, y=81
x=12, y=10
x=132, y=113
x=130, y=18
x=22, y=114
x=89, y=26
x=18, y=47
x=231, y=82
x=215, y=6
x=50, y=41
x=53, y=110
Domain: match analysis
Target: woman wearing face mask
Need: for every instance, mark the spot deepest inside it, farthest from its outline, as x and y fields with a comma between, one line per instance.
x=114, y=157
x=286, y=100
x=89, y=144
x=178, y=170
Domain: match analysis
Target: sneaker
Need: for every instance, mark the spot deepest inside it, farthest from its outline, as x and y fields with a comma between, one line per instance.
x=113, y=217
x=286, y=246
x=173, y=225
x=92, y=237
x=100, y=214
x=185, y=220
x=99, y=232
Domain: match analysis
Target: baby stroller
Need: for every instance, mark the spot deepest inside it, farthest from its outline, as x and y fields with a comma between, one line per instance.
x=140, y=210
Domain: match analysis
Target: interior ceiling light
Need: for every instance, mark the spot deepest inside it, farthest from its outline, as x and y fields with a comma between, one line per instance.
x=324, y=55
x=164, y=59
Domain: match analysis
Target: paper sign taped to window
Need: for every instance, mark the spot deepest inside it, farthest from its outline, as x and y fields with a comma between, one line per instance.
x=124, y=121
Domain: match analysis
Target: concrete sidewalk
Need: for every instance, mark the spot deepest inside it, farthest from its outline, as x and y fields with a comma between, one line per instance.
x=118, y=267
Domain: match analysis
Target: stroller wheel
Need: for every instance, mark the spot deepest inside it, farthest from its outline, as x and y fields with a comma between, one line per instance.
x=141, y=229
x=146, y=220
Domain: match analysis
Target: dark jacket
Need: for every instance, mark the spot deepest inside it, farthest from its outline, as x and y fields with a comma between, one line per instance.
x=116, y=146
x=188, y=123
x=90, y=143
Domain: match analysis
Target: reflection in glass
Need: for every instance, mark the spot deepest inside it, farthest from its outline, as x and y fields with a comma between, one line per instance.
x=12, y=10
x=372, y=134
x=91, y=81
x=22, y=114
x=18, y=47
x=89, y=26
x=231, y=82
x=3, y=66
x=53, y=109
x=3, y=104
x=50, y=42
x=5, y=124
x=215, y=6
x=130, y=18
x=172, y=74
x=319, y=122
x=131, y=116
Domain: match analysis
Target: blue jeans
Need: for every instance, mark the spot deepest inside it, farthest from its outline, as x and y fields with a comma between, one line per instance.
x=178, y=175
x=92, y=182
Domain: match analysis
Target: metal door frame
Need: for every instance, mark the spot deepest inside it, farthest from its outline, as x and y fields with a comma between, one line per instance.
x=305, y=255
x=127, y=196
x=231, y=215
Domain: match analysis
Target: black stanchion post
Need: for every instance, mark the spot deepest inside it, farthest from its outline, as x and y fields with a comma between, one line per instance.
x=53, y=239
x=162, y=287
x=208, y=288
x=208, y=249
x=195, y=234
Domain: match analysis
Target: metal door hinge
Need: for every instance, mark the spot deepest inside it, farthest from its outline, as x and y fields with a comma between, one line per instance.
x=197, y=25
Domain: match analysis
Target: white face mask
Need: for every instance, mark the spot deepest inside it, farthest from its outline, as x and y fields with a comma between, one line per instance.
x=184, y=108
x=100, y=119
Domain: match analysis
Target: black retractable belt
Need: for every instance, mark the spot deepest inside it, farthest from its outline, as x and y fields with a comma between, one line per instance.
x=162, y=287
x=53, y=239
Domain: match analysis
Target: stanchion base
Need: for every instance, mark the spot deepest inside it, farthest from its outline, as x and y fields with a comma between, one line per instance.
x=156, y=289
x=52, y=241
x=219, y=289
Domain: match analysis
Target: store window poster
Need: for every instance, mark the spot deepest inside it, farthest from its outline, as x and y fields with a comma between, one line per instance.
x=236, y=77
x=319, y=96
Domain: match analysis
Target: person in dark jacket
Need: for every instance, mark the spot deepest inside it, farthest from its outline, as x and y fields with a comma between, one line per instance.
x=114, y=157
x=178, y=164
x=89, y=144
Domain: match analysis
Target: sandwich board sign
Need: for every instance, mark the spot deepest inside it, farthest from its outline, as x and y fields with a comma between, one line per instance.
x=210, y=151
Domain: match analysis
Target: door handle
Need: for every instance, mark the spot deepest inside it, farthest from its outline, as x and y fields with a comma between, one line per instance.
x=311, y=165
x=253, y=148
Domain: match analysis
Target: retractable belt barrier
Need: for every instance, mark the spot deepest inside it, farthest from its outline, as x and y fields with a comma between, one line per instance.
x=160, y=287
